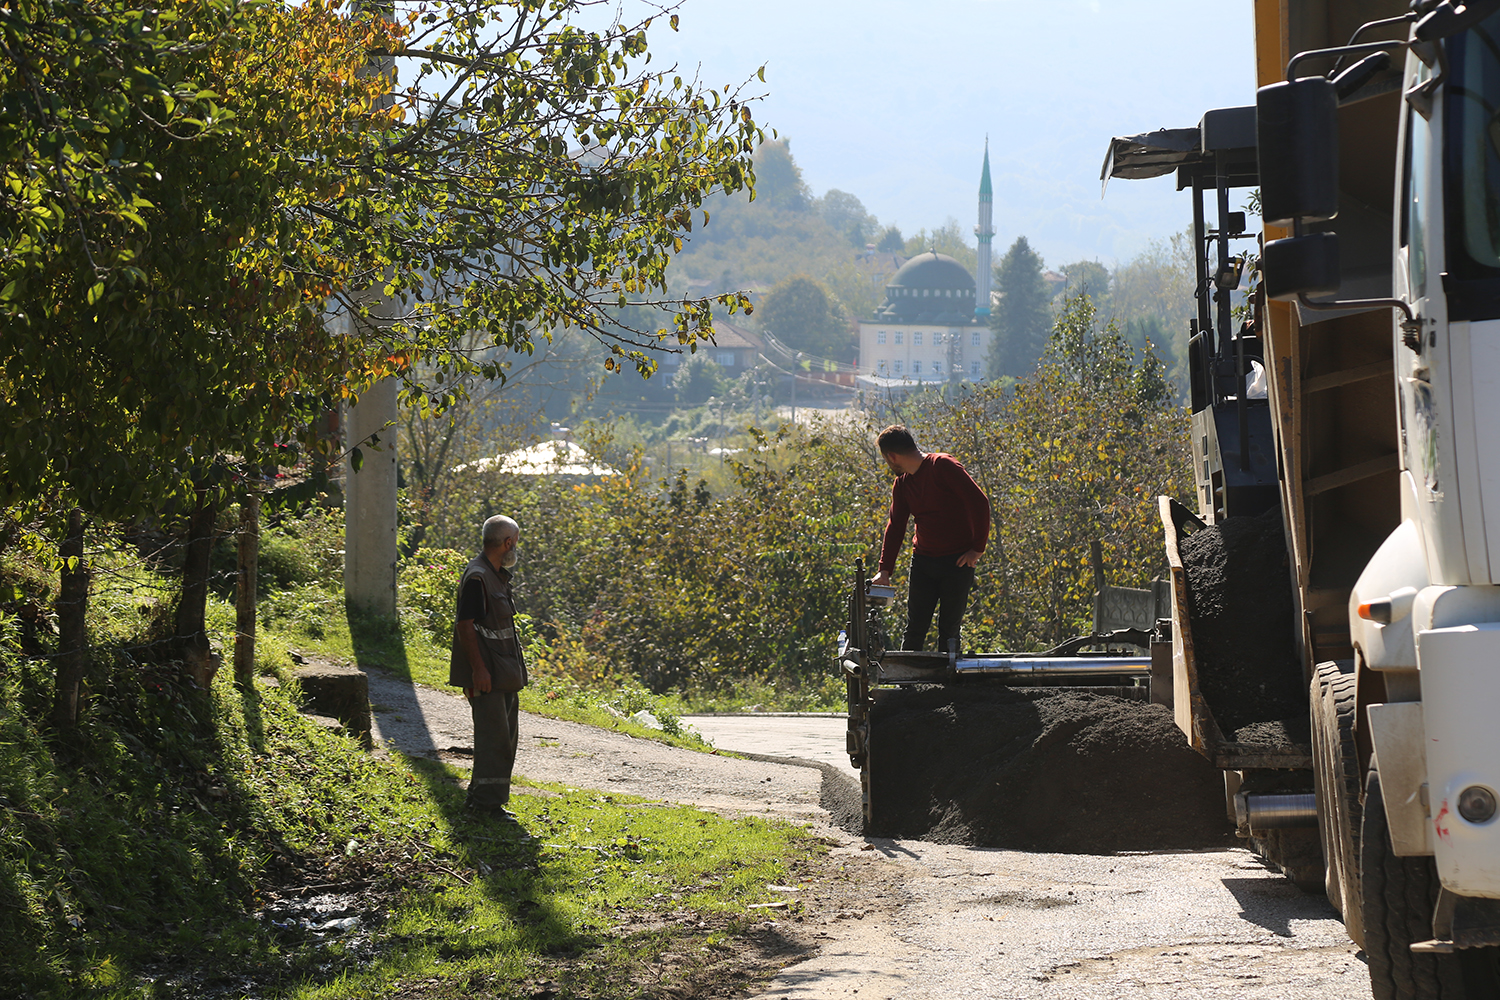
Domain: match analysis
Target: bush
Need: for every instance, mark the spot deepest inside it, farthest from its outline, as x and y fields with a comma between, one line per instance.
x=735, y=596
x=427, y=589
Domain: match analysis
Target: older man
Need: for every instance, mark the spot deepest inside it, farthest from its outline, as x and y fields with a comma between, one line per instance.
x=486, y=661
x=953, y=526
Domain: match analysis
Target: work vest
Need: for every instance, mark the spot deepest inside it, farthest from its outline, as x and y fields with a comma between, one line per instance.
x=495, y=628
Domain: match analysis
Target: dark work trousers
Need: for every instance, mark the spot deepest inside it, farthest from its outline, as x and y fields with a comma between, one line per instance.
x=494, y=748
x=936, y=579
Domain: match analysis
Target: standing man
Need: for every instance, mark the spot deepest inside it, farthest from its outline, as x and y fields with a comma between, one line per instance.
x=953, y=526
x=486, y=661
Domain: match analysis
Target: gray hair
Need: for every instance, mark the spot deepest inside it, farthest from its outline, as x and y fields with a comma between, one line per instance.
x=498, y=528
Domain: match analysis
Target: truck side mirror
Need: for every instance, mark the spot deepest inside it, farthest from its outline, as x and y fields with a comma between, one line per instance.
x=1297, y=139
x=1301, y=265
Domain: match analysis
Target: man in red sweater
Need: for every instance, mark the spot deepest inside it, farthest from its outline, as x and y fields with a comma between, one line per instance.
x=953, y=526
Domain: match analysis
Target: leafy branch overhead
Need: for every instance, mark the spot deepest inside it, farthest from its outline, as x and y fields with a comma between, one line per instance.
x=220, y=218
x=543, y=174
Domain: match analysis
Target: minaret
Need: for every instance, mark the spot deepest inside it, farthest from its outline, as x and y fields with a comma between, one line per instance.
x=985, y=231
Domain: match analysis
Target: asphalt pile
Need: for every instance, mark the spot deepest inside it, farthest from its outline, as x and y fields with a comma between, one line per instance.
x=1240, y=603
x=1054, y=770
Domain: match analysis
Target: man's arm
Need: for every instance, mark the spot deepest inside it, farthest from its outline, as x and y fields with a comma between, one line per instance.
x=895, y=533
x=470, y=606
x=479, y=674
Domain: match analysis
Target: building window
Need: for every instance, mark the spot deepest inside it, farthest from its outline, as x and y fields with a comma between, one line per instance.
x=880, y=366
x=880, y=337
x=725, y=359
x=937, y=338
x=898, y=336
x=898, y=367
x=916, y=338
x=916, y=367
x=974, y=338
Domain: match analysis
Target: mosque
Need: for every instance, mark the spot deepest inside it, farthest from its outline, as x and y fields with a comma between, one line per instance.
x=934, y=323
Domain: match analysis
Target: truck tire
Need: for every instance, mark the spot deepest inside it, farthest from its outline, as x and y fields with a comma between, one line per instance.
x=1399, y=894
x=1336, y=779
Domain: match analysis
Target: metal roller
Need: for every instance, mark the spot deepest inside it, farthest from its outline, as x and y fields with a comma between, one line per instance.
x=1055, y=666
x=1276, y=811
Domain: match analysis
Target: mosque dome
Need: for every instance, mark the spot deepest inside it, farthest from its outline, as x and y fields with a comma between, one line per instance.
x=930, y=288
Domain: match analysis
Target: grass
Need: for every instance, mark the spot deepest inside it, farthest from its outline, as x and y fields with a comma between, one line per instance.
x=181, y=842
x=311, y=619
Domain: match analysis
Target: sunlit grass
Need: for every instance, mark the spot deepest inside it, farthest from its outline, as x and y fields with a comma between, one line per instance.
x=164, y=839
x=304, y=620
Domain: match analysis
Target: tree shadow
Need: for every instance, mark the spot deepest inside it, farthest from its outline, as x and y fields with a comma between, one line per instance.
x=255, y=723
x=512, y=875
x=509, y=859
x=379, y=643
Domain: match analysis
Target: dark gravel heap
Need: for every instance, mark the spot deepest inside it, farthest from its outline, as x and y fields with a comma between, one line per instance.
x=1240, y=592
x=1277, y=733
x=1039, y=770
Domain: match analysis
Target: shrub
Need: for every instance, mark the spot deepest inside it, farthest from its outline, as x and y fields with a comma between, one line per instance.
x=427, y=588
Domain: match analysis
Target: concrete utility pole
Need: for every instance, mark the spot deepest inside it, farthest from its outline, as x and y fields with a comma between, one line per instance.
x=370, y=503
x=370, y=493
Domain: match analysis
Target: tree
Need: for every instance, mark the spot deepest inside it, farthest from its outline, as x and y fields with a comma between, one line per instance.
x=1091, y=278
x=187, y=312
x=159, y=305
x=697, y=380
x=156, y=316
x=891, y=241
x=1156, y=287
x=1023, y=314
x=1092, y=357
x=220, y=219
x=845, y=213
x=799, y=313
x=949, y=238
x=778, y=178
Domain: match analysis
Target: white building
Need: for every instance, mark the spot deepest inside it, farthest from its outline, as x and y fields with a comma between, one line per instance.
x=932, y=327
x=927, y=330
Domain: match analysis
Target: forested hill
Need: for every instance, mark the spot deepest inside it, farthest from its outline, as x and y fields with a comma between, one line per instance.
x=831, y=238
x=788, y=231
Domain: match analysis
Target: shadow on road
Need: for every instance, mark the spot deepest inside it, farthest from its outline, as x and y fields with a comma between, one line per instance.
x=508, y=858
x=1275, y=903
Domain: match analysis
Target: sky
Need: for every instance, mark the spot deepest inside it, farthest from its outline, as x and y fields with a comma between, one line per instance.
x=892, y=101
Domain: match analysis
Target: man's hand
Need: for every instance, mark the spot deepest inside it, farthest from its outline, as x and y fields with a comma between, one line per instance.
x=481, y=678
x=969, y=559
x=881, y=579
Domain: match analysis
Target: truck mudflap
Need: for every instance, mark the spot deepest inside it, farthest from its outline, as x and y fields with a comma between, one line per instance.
x=1460, y=668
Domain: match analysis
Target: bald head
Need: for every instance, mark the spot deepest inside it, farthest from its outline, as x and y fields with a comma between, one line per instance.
x=498, y=528
x=501, y=535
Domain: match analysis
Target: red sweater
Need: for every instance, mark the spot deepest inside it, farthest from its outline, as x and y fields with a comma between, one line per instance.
x=952, y=512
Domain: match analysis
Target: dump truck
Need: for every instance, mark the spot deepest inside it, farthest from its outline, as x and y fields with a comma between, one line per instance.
x=1356, y=393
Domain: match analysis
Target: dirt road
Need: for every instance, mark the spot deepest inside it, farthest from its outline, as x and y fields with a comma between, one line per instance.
x=917, y=921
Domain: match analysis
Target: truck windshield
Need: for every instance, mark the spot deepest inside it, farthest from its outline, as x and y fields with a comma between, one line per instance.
x=1473, y=121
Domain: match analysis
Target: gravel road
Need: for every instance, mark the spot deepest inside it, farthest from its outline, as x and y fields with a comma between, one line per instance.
x=924, y=921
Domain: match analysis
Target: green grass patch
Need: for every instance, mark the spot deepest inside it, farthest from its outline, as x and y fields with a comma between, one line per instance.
x=184, y=842
x=311, y=620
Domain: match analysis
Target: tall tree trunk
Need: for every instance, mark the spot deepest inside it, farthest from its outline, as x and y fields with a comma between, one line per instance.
x=72, y=606
x=249, y=548
x=193, y=604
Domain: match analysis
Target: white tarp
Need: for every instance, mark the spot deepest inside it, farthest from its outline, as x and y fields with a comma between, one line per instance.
x=549, y=458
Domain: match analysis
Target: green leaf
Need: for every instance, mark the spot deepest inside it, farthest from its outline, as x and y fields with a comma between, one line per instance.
x=96, y=293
